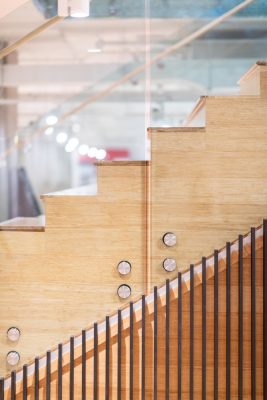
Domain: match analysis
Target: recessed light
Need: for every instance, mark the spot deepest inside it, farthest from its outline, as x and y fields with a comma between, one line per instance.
x=62, y=137
x=101, y=154
x=51, y=119
x=92, y=51
x=16, y=139
x=83, y=149
x=92, y=152
x=79, y=14
x=49, y=131
x=71, y=145
x=74, y=8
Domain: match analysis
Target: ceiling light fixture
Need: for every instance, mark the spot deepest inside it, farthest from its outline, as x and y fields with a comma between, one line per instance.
x=83, y=150
x=101, y=154
x=51, y=120
x=49, y=131
x=71, y=145
x=62, y=137
x=92, y=152
x=16, y=139
x=74, y=8
x=94, y=51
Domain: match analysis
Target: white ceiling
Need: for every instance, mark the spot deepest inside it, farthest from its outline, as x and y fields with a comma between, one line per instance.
x=56, y=65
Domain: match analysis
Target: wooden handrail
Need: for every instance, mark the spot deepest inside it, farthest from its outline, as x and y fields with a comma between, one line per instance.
x=251, y=71
x=200, y=104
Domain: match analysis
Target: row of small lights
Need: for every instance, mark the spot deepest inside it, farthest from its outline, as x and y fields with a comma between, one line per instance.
x=73, y=143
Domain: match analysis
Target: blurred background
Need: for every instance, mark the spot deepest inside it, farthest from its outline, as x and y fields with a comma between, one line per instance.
x=71, y=96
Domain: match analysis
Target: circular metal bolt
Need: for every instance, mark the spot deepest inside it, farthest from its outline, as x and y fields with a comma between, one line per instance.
x=169, y=264
x=13, y=358
x=169, y=239
x=124, y=291
x=13, y=334
x=124, y=267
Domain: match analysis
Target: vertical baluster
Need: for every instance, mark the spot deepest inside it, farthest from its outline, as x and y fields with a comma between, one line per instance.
x=36, y=378
x=131, y=350
x=216, y=322
x=95, y=361
x=71, y=394
x=13, y=385
x=48, y=375
x=228, y=321
x=180, y=335
x=119, y=358
x=143, y=389
x=265, y=307
x=107, y=366
x=167, y=342
x=191, y=379
x=25, y=381
x=2, y=389
x=155, y=344
x=240, y=317
x=59, y=373
x=253, y=314
x=204, y=328
x=83, y=364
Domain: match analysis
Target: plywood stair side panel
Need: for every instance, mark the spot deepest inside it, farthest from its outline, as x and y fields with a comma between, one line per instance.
x=173, y=152
x=148, y=312
x=208, y=185
x=61, y=273
x=22, y=261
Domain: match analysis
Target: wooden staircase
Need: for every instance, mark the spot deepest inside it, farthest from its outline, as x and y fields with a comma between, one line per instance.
x=200, y=335
x=206, y=185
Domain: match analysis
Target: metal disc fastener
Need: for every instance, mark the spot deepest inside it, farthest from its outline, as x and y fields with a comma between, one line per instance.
x=12, y=358
x=124, y=291
x=124, y=267
x=13, y=334
x=169, y=239
x=169, y=264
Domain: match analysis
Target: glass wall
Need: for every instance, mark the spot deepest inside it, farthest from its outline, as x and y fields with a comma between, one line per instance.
x=86, y=90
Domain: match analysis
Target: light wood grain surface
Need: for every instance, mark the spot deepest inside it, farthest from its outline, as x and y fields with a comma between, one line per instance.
x=173, y=341
x=56, y=282
x=208, y=185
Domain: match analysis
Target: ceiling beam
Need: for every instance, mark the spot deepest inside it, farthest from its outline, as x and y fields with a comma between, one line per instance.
x=15, y=75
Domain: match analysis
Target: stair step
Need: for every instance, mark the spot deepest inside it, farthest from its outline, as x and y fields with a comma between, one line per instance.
x=21, y=224
x=254, y=81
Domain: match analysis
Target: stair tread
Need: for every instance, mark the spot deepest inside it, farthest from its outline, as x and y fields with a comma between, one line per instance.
x=88, y=190
x=31, y=224
x=177, y=129
x=197, y=110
